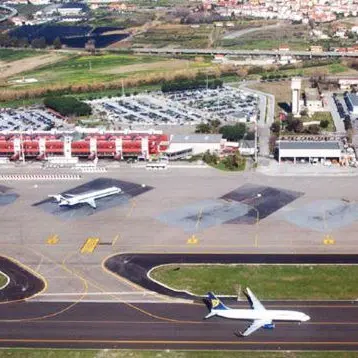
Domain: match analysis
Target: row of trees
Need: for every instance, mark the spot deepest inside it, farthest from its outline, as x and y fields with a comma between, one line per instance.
x=11, y=41
x=183, y=85
x=38, y=43
x=273, y=76
x=232, y=133
x=296, y=126
x=68, y=106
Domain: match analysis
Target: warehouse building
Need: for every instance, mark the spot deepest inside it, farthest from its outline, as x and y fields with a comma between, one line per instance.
x=198, y=143
x=308, y=151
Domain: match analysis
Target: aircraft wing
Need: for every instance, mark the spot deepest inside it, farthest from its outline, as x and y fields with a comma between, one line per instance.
x=255, y=303
x=257, y=324
x=92, y=203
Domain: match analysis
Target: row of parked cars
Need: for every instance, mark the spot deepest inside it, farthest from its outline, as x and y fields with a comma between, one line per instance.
x=181, y=107
x=29, y=119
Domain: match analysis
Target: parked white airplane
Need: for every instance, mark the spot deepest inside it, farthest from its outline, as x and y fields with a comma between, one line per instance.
x=260, y=316
x=85, y=198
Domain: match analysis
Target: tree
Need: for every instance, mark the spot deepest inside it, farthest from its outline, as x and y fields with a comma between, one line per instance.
x=324, y=123
x=294, y=125
x=275, y=127
x=250, y=136
x=313, y=129
x=210, y=158
x=39, y=43
x=215, y=124
x=203, y=128
x=57, y=44
x=233, y=133
x=68, y=106
x=234, y=161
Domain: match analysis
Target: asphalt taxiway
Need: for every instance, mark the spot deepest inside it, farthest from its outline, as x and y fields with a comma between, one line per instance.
x=21, y=284
x=169, y=326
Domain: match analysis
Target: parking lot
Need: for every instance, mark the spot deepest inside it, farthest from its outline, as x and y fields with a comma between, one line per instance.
x=29, y=119
x=190, y=107
x=339, y=111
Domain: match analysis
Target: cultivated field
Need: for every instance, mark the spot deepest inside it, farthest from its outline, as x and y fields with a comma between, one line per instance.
x=176, y=36
x=295, y=36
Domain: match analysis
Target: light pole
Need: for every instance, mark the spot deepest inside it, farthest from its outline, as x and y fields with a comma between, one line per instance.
x=257, y=196
x=255, y=153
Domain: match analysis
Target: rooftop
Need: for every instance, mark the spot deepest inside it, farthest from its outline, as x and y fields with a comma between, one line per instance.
x=312, y=94
x=353, y=98
x=309, y=145
x=73, y=6
x=196, y=138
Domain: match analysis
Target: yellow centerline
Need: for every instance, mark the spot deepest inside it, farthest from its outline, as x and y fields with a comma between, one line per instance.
x=161, y=342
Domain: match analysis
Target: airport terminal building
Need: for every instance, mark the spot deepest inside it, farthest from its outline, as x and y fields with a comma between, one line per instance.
x=308, y=151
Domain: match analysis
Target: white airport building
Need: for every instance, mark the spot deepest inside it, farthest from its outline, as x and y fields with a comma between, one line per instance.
x=308, y=151
x=196, y=143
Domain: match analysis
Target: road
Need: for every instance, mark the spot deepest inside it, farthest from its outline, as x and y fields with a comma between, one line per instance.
x=333, y=326
x=13, y=12
x=267, y=116
x=217, y=51
x=240, y=33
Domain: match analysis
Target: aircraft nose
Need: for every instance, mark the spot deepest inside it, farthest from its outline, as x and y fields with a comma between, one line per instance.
x=306, y=318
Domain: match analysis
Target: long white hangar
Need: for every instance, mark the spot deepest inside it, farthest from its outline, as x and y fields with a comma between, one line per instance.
x=298, y=150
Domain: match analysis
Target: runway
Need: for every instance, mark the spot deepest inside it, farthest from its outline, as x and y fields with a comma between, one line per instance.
x=172, y=326
x=333, y=324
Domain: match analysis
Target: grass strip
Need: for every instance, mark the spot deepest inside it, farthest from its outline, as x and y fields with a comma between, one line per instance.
x=331, y=282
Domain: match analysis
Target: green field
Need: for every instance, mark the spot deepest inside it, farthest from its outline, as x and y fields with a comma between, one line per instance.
x=3, y=279
x=104, y=68
x=9, y=55
x=58, y=353
x=267, y=281
x=80, y=69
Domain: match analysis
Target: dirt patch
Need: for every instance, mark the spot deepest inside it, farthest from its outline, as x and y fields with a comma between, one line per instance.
x=281, y=91
x=27, y=64
x=160, y=65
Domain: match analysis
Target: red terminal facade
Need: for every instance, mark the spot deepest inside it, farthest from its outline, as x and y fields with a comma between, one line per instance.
x=115, y=145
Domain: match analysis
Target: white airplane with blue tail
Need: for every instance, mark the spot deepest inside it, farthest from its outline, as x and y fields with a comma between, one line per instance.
x=261, y=317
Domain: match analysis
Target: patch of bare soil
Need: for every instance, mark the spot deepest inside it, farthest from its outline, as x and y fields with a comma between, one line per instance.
x=10, y=69
x=160, y=65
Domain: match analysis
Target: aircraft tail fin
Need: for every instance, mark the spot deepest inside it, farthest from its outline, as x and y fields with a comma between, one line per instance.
x=215, y=303
x=57, y=197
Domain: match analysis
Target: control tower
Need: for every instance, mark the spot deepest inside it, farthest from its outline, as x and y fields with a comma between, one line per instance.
x=296, y=95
